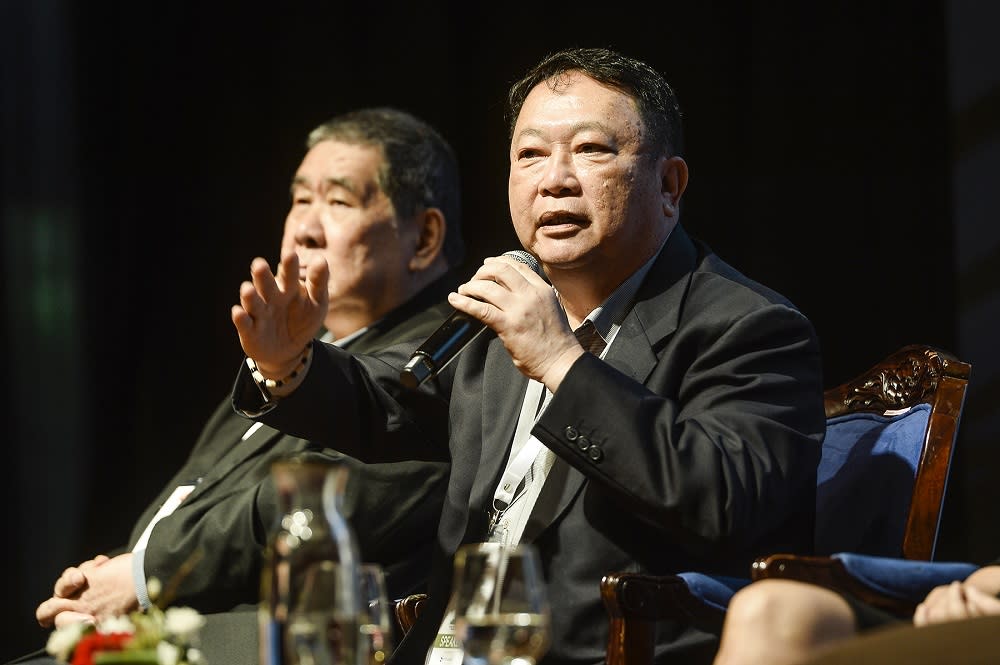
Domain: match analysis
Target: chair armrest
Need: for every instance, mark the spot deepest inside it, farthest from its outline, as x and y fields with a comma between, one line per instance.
x=635, y=602
x=407, y=610
x=891, y=584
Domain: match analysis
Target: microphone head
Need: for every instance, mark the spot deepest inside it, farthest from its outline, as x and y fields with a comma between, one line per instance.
x=527, y=259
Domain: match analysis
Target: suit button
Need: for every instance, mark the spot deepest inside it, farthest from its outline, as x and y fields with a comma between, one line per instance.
x=583, y=442
x=595, y=453
x=571, y=433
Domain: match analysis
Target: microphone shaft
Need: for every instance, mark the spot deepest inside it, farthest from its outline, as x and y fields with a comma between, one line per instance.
x=451, y=337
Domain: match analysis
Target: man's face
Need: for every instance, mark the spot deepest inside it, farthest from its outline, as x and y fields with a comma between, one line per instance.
x=339, y=211
x=582, y=192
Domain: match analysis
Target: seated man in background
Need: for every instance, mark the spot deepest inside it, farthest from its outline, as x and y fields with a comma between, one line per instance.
x=784, y=622
x=377, y=195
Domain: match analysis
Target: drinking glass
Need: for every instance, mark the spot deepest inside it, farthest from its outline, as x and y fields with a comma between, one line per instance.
x=375, y=622
x=501, y=604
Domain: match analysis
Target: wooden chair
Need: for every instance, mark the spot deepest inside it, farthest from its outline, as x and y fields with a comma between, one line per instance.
x=911, y=376
x=914, y=396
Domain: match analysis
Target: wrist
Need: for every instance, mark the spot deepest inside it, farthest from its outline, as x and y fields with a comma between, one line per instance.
x=284, y=380
x=557, y=371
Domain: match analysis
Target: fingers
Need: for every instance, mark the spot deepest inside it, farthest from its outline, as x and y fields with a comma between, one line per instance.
x=265, y=287
x=317, y=279
x=47, y=611
x=954, y=604
x=475, y=306
x=979, y=603
x=923, y=614
x=251, y=301
x=69, y=617
x=242, y=320
x=253, y=296
x=948, y=603
x=507, y=268
x=288, y=271
x=497, y=277
x=265, y=283
x=71, y=581
x=74, y=578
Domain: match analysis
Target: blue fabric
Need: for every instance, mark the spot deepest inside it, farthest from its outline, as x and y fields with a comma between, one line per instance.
x=865, y=479
x=903, y=578
x=864, y=483
x=714, y=590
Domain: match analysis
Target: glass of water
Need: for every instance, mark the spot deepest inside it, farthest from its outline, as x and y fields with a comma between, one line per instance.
x=501, y=604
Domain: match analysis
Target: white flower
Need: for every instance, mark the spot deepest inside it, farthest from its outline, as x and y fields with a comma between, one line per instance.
x=63, y=640
x=183, y=622
x=116, y=624
x=167, y=654
x=153, y=588
x=195, y=657
x=172, y=633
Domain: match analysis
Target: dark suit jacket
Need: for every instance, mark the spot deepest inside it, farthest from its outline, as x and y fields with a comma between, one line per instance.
x=692, y=446
x=230, y=513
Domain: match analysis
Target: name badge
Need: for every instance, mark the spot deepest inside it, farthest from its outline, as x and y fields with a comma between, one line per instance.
x=446, y=649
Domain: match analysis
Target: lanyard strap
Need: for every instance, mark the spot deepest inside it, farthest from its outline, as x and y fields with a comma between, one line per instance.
x=521, y=459
x=524, y=454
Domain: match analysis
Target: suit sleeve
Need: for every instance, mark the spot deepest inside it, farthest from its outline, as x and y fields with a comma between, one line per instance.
x=719, y=445
x=211, y=550
x=393, y=508
x=356, y=404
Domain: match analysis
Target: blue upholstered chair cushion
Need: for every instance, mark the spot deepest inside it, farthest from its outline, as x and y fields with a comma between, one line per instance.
x=714, y=590
x=902, y=578
x=894, y=577
x=865, y=480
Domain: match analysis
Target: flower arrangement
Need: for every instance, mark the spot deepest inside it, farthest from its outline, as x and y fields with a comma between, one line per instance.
x=151, y=637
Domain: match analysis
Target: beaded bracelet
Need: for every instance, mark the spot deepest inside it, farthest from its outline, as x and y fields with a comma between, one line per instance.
x=267, y=385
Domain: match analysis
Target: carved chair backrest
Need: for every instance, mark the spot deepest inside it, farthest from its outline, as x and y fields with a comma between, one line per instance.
x=887, y=452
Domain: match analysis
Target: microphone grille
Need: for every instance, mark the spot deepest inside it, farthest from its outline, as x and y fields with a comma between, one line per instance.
x=527, y=259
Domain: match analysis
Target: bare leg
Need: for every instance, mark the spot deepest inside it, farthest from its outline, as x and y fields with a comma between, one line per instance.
x=781, y=622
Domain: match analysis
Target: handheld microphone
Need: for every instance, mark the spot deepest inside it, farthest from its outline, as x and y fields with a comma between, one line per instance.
x=452, y=336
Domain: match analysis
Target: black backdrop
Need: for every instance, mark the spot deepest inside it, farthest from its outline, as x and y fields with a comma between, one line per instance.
x=148, y=150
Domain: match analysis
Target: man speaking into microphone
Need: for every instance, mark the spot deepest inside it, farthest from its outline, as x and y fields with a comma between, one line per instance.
x=659, y=410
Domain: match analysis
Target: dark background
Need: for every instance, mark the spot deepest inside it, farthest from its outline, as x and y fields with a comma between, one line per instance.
x=845, y=153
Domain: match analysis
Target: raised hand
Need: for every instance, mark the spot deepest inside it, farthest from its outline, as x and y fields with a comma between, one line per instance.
x=279, y=314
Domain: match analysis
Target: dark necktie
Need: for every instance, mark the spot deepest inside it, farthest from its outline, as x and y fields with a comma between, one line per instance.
x=589, y=338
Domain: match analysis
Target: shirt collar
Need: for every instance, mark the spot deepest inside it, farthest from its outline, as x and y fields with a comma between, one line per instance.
x=607, y=316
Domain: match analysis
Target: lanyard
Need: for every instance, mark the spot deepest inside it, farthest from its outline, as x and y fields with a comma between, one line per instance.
x=521, y=459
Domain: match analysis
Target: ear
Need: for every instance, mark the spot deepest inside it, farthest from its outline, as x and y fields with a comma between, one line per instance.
x=429, y=238
x=675, y=179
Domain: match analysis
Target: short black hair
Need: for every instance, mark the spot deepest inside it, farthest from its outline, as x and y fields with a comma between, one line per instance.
x=657, y=104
